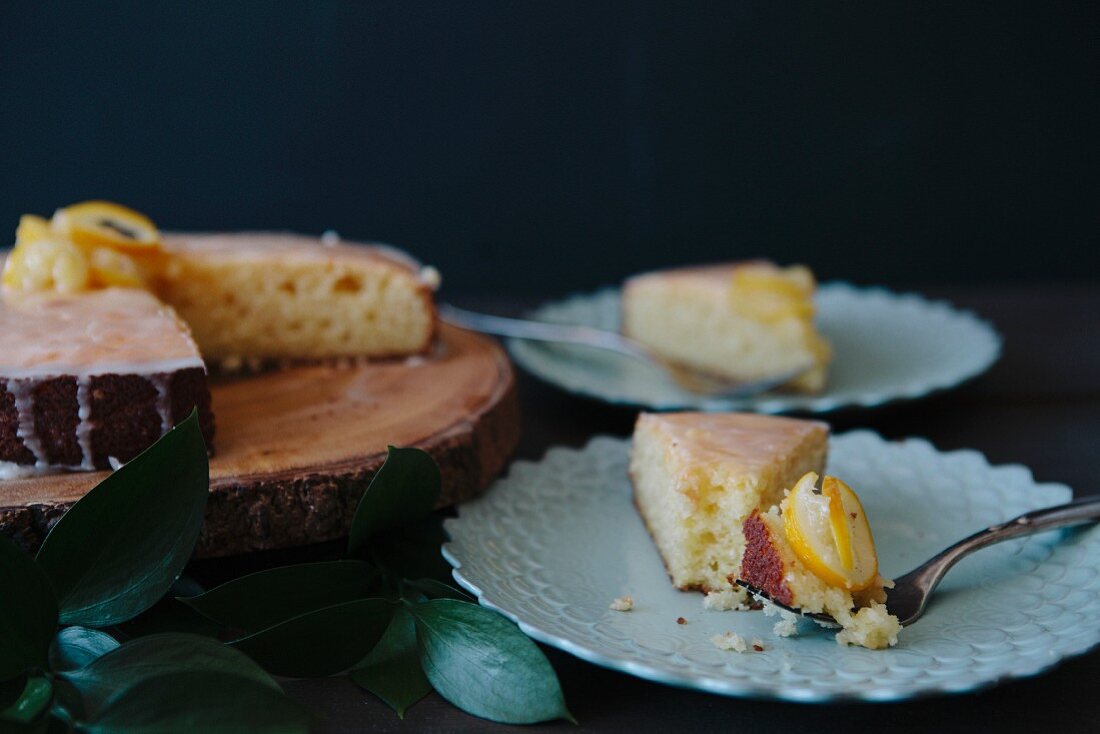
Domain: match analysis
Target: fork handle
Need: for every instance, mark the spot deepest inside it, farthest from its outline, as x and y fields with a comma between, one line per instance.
x=1036, y=521
x=540, y=331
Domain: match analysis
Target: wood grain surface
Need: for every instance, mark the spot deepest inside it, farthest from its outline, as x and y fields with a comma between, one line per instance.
x=295, y=448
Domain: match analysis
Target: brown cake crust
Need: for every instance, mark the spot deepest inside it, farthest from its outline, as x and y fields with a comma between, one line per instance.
x=761, y=565
x=11, y=447
x=122, y=410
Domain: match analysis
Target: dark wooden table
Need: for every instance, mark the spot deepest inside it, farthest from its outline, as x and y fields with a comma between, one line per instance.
x=1039, y=406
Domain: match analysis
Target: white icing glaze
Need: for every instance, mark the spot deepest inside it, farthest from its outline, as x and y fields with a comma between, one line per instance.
x=9, y=470
x=250, y=246
x=84, y=423
x=113, y=331
x=430, y=277
x=164, y=400
x=23, y=396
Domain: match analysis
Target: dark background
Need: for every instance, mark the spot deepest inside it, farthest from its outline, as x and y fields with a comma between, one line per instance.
x=560, y=145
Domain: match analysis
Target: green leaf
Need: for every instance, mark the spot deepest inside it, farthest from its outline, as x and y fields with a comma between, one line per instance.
x=413, y=551
x=265, y=598
x=482, y=663
x=157, y=656
x=75, y=647
x=194, y=701
x=36, y=696
x=405, y=488
x=392, y=670
x=434, y=589
x=322, y=642
x=28, y=612
x=118, y=549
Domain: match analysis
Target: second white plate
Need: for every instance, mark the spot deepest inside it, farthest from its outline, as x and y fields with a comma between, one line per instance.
x=553, y=543
x=887, y=347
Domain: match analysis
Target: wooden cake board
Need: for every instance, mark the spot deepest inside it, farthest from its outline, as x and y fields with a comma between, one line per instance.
x=294, y=449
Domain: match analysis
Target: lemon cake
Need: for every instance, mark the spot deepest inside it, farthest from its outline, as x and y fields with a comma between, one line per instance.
x=742, y=321
x=106, y=325
x=815, y=552
x=698, y=476
x=253, y=296
x=272, y=296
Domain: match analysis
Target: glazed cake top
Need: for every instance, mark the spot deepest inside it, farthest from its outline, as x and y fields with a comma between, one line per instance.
x=112, y=331
x=250, y=246
x=746, y=441
x=716, y=276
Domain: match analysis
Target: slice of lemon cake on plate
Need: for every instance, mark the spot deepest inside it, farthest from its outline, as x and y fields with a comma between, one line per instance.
x=742, y=321
x=815, y=552
x=698, y=476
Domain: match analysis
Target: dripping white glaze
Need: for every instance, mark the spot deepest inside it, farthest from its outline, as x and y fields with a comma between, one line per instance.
x=164, y=400
x=22, y=393
x=84, y=425
x=10, y=470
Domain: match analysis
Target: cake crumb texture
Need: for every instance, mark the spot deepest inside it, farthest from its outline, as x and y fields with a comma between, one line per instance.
x=697, y=477
x=622, y=604
x=730, y=641
x=272, y=296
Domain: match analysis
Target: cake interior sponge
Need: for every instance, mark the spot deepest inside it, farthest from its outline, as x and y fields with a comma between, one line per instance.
x=698, y=476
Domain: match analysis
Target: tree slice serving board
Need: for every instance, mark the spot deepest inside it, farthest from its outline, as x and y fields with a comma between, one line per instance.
x=295, y=448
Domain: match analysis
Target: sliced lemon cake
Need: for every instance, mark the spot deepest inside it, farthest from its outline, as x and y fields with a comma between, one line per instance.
x=743, y=321
x=698, y=476
x=815, y=552
x=92, y=377
x=262, y=295
x=99, y=311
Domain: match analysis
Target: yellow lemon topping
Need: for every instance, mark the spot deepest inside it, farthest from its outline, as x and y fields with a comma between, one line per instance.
x=770, y=294
x=95, y=244
x=105, y=224
x=32, y=227
x=829, y=532
x=46, y=264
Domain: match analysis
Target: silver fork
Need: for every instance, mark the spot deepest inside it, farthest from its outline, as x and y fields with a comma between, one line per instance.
x=687, y=378
x=909, y=597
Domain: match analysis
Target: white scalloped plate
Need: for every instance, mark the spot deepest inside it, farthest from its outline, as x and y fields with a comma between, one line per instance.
x=887, y=347
x=553, y=543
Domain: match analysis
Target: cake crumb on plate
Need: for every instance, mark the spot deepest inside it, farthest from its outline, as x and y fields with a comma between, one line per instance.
x=726, y=600
x=622, y=604
x=787, y=626
x=730, y=641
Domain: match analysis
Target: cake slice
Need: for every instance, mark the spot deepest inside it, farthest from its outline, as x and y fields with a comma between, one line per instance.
x=92, y=377
x=271, y=296
x=741, y=321
x=815, y=552
x=698, y=476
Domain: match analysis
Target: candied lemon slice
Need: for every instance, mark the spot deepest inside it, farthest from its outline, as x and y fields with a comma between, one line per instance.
x=46, y=264
x=770, y=294
x=32, y=227
x=830, y=534
x=838, y=521
x=105, y=224
x=793, y=282
x=113, y=268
